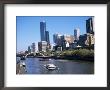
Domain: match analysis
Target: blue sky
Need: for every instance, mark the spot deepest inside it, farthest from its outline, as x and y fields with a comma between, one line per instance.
x=28, y=28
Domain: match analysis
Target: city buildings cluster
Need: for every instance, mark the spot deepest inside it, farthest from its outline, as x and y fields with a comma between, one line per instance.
x=44, y=44
x=32, y=48
x=65, y=42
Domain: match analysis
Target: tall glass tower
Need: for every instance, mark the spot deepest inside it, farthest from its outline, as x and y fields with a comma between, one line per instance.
x=43, y=30
x=76, y=34
x=47, y=36
x=90, y=25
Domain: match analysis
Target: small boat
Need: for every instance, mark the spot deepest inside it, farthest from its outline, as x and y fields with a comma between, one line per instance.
x=51, y=66
x=50, y=59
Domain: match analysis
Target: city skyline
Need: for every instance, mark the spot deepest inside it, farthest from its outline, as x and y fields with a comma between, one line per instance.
x=28, y=28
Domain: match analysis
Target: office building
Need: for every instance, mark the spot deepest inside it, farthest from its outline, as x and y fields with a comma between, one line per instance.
x=33, y=47
x=58, y=39
x=29, y=49
x=47, y=36
x=76, y=34
x=90, y=25
x=55, y=36
x=86, y=40
x=44, y=33
x=43, y=30
x=43, y=46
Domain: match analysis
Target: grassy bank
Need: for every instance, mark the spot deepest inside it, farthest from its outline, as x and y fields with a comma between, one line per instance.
x=80, y=54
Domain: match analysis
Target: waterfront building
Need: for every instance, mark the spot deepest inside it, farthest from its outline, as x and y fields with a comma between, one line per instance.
x=69, y=38
x=86, y=40
x=33, y=47
x=90, y=40
x=76, y=34
x=58, y=39
x=90, y=25
x=43, y=30
x=63, y=40
x=55, y=38
x=44, y=33
x=29, y=49
x=47, y=36
x=43, y=46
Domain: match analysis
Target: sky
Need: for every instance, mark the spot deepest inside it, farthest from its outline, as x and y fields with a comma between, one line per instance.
x=28, y=28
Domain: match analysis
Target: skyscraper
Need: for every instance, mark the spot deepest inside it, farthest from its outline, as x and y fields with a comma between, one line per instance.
x=33, y=47
x=43, y=30
x=55, y=38
x=29, y=49
x=47, y=36
x=90, y=25
x=76, y=34
x=44, y=34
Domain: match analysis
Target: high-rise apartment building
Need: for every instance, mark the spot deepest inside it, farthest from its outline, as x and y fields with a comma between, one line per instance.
x=43, y=33
x=29, y=49
x=43, y=30
x=47, y=36
x=76, y=34
x=33, y=47
x=90, y=25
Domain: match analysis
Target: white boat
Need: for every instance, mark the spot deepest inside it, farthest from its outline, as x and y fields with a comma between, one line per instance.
x=50, y=66
x=50, y=59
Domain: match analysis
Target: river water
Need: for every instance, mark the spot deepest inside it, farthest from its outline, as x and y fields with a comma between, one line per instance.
x=35, y=66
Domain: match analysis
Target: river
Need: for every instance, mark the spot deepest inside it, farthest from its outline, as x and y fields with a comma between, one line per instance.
x=35, y=66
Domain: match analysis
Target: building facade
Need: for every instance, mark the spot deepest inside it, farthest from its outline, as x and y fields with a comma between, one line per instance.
x=69, y=38
x=33, y=47
x=58, y=39
x=86, y=40
x=44, y=33
x=90, y=25
x=42, y=30
x=47, y=36
x=29, y=49
x=55, y=38
x=42, y=46
x=62, y=41
x=76, y=34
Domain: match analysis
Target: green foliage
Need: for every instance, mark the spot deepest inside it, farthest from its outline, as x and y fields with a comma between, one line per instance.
x=79, y=52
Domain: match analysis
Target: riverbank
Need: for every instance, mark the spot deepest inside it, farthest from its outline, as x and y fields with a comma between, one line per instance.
x=76, y=58
x=20, y=69
x=79, y=54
